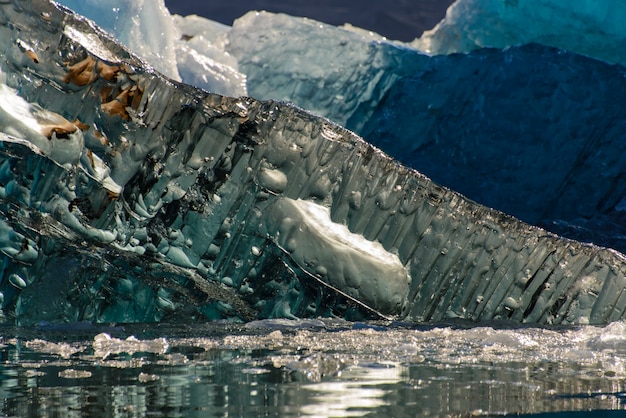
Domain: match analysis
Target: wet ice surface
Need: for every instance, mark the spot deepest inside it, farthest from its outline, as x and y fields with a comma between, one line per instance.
x=310, y=368
x=276, y=367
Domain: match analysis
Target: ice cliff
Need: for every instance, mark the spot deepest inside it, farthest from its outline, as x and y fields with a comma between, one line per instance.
x=127, y=196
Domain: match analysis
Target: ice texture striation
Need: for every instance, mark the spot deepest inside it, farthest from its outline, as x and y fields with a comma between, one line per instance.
x=184, y=204
x=531, y=130
x=455, y=118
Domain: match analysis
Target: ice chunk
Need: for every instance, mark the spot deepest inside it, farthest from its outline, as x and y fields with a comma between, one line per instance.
x=461, y=106
x=202, y=59
x=104, y=345
x=334, y=72
x=196, y=229
x=187, y=49
x=527, y=130
x=146, y=27
x=595, y=29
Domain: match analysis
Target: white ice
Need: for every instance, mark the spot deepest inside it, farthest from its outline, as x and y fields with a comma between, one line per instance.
x=360, y=268
x=28, y=121
x=593, y=28
x=185, y=49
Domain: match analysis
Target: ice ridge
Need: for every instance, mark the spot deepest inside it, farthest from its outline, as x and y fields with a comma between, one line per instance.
x=455, y=117
x=528, y=129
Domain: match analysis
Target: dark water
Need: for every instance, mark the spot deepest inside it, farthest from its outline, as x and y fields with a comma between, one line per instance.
x=313, y=369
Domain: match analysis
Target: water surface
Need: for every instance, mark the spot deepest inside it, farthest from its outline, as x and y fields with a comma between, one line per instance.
x=311, y=368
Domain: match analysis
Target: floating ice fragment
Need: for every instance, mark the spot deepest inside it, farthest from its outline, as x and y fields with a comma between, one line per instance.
x=147, y=377
x=278, y=324
x=104, y=345
x=64, y=350
x=74, y=374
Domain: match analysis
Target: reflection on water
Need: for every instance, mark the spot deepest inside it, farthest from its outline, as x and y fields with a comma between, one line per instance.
x=310, y=368
x=361, y=389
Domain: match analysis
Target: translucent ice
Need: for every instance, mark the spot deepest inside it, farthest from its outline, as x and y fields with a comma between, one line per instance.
x=461, y=107
x=188, y=205
x=367, y=271
x=528, y=129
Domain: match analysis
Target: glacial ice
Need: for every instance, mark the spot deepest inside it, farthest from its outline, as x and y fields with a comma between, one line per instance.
x=591, y=28
x=202, y=60
x=464, y=109
x=143, y=26
x=361, y=268
x=148, y=29
x=527, y=130
x=184, y=204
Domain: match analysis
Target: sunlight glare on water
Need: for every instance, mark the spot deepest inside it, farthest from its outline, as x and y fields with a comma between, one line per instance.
x=312, y=368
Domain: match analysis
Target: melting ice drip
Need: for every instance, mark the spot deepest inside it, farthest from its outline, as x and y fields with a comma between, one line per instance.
x=162, y=200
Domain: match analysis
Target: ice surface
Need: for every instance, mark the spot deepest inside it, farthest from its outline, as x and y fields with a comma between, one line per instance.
x=461, y=107
x=202, y=59
x=49, y=132
x=527, y=130
x=592, y=28
x=148, y=29
x=341, y=368
x=145, y=27
x=363, y=269
x=340, y=73
x=186, y=205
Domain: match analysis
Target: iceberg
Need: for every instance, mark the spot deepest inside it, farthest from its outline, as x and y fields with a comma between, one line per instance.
x=148, y=29
x=127, y=196
x=591, y=28
x=532, y=130
x=465, y=130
